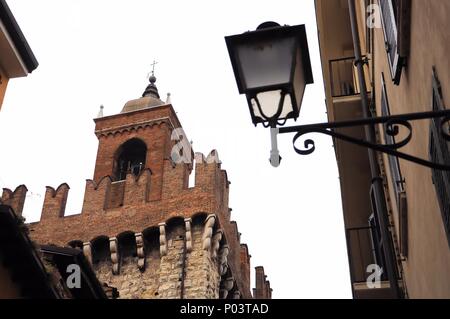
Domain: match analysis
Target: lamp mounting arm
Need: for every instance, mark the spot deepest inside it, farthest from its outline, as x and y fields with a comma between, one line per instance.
x=391, y=123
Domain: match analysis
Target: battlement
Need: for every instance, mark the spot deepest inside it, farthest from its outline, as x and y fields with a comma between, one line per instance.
x=114, y=209
x=106, y=195
x=262, y=288
x=15, y=199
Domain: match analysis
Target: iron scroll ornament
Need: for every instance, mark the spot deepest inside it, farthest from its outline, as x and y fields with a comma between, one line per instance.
x=391, y=124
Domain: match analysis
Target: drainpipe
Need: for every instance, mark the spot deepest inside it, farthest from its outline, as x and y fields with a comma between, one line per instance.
x=377, y=181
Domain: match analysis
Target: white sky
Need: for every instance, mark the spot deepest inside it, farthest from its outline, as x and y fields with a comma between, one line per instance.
x=99, y=52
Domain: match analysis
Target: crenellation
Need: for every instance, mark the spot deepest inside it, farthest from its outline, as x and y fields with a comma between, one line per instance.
x=262, y=288
x=206, y=173
x=223, y=190
x=96, y=194
x=137, y=188
x=115, y=195
x=176, y=178
x=199, y=158
x=213, y=158
x=245, y=266
x=15, y=199
x=55, y=202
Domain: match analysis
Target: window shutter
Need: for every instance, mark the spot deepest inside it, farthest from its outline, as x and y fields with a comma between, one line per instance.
x=390, y=16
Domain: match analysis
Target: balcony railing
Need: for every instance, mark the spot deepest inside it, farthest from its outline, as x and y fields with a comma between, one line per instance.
x=344, y=77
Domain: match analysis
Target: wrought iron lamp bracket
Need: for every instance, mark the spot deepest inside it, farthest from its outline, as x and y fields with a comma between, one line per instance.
x=391, y=124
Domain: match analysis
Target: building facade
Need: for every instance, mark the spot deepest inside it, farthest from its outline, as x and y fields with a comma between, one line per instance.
x=32, y=272
x=404, y=46
x=143, y=229
x=16, y=57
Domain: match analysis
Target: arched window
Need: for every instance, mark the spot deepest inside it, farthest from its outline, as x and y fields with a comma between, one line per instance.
x=127, y=245
x=100, y=249
x=130, y=158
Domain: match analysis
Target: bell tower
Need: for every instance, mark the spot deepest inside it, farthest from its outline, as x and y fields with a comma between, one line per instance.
x=142, y=228
x=137, y=139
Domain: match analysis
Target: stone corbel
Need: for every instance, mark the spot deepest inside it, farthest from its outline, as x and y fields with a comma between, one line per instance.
x=140, y=251
x=187, y=223
x=227, y=285
x=87, y=251
x=162, y=239
x=216, y=242
x=223, y=266
x=114, y=249
x=207, y=233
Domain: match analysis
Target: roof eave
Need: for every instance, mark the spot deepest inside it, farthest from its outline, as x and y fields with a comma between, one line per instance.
x=17, y=37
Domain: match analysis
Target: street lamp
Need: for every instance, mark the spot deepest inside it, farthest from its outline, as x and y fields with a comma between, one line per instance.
x=272, y=68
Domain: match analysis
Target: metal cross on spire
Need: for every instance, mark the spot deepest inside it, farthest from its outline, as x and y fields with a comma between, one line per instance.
x=153, y=68
x=151, y=88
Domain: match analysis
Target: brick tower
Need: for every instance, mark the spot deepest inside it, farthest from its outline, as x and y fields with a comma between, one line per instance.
x=144, y=230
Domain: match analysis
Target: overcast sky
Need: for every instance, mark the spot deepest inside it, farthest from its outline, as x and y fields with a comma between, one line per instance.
x=100, y=52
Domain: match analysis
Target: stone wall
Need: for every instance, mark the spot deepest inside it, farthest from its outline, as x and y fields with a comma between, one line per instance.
x=202, y=273
x=164, y=277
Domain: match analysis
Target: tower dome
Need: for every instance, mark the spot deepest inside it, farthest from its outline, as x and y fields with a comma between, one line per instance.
x=149, y=98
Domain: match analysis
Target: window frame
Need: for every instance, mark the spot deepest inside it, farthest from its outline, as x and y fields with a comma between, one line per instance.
x=395, y=24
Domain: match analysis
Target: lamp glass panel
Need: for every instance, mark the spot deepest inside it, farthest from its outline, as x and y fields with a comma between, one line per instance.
x=299, y=79
x=269, y=102
x=266, y=62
